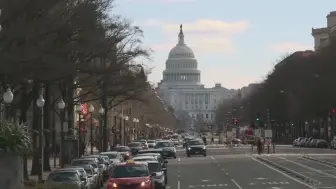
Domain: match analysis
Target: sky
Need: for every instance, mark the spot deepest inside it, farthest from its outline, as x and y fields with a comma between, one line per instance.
x=235, y=42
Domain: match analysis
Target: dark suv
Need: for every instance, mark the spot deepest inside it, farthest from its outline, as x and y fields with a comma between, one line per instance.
x=195, y=147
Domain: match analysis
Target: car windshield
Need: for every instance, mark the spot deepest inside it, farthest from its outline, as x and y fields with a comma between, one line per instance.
x=64, y=176
x=135, y=144
x=112, y=156
x=154, y=167
x=145, y=159
x=80, y=162
x=195, y=142
x=129, y=171
x=122, y=149
x=151, y=141
x=88, y=171
x=164, y=144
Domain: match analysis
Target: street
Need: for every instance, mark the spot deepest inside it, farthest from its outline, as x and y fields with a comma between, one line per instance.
x=240, y=168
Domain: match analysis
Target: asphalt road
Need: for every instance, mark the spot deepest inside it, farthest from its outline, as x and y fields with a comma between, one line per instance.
x=238, y=168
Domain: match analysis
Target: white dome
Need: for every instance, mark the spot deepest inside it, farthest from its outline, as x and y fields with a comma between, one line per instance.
x=181, y=51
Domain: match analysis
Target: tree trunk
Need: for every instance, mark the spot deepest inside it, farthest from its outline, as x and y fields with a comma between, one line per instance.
x=70, y=106
x=46, y=121
x=36, y=117
x=24, y=105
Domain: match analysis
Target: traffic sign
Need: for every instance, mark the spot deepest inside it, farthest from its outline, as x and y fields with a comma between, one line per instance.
x=268, y=133
x=257, y=132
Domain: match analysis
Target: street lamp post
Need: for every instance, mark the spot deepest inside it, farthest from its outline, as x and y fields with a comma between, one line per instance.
x=40, y=103
x=79, y=109
x=120, y=128
x=135, y=121
x=91, y=110
x=61, y=107
x=8, y=97
x=101, y=130
x=124, y=129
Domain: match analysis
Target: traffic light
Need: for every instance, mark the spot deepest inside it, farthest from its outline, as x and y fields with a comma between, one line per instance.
x=334, y=110
x=258, y=117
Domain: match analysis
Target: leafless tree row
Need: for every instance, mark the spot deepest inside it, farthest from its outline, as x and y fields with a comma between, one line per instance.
x=57, y=46
x=300, y=87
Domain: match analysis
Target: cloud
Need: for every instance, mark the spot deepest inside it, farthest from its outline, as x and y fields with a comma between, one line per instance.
x=290, y=47
x=203, y=36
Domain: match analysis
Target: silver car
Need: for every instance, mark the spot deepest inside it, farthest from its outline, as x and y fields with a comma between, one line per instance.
x=62, y=177
x=93, y=176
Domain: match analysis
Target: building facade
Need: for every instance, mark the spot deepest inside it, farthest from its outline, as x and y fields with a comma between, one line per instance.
x=181, y=86
x=322, y=35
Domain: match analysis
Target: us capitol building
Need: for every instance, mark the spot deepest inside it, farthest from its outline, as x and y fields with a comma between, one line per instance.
x=181, y=86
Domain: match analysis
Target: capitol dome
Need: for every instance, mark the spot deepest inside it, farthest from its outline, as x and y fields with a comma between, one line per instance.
x=181, y=50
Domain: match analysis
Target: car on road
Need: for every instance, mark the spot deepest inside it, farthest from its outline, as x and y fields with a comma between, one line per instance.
x=160, y=179
x=157, y=156
x=144, y=143
x=135, y=147
x=125, y=151
x=115, y=157
x=151, y=143
x=168, y=148
x=94, y=163
x=83, y=176
x=196, y=147
x=144, y=158
x=131, y=174
x=102, y=164
x=92, y=176
x=63, y=177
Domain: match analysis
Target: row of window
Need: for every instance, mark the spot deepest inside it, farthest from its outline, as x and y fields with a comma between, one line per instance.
x=198, y=107
x=182, y=65
x=206, y=116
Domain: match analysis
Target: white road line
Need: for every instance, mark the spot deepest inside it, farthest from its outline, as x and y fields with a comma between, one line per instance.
x=284, y=174
x=310, y=168
x=238, y=186
x=178, y=184
x=179, y=159
x=212, y=157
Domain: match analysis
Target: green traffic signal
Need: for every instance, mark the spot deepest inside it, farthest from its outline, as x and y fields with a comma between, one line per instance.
x=257, y=119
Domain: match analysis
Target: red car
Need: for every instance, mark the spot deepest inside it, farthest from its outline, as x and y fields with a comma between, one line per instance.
x=129, y=175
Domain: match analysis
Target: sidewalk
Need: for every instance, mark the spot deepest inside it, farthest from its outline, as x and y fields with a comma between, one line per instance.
x=45, y=173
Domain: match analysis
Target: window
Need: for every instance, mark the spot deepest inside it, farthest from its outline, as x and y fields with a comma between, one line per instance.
x=154, y=167
x=195, y=142
x=64, y=176
x=126, y=171
x=207, y=116
x=164, y=144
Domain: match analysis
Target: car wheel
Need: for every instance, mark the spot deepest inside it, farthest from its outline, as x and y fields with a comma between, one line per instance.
x=174, y=157
x=188, y=155
x=205, y=154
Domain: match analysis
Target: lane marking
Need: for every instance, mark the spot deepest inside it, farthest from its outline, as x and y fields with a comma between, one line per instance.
x=205, y=180
x=284, y=174
x=238, y=186
x=227, y=173
x=223, y=169
x=179, y=159
x=178, y=184
x=212, y=157
x=310, y=168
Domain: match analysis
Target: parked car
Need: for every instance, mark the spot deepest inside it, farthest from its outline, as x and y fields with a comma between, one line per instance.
x=322, y=143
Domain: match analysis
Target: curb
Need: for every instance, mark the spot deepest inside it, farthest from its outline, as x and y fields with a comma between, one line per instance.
x=288, y=171
x=320, y=161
